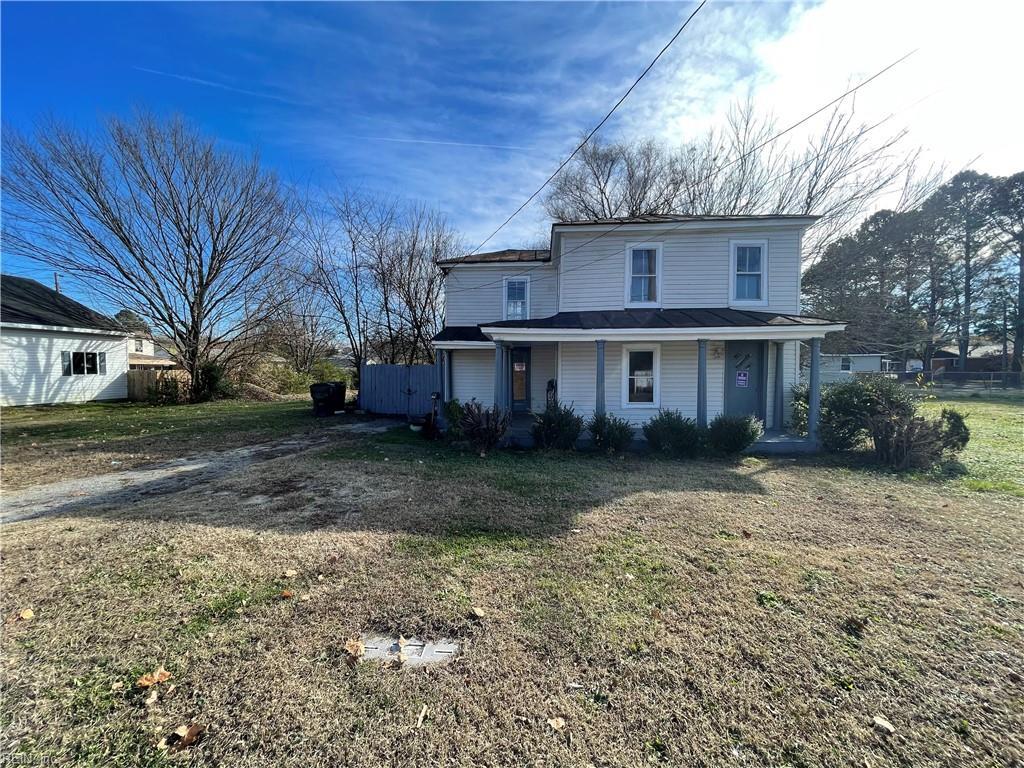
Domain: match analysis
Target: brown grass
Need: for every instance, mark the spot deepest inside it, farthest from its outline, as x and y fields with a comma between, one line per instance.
x=703, y=614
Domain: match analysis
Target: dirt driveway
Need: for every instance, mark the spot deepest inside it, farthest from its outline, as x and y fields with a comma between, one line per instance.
x=163, y=478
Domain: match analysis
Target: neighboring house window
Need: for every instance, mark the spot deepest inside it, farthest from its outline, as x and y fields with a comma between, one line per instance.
x=749, y=270
x=640, y=377
x=138, y=345
x=846, y=364
x=517, y=298
x=83, y=363
x=643, y=275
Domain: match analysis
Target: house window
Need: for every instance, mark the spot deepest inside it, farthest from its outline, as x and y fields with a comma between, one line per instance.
x=846, y=364
x=138, y=345
x=643, y=275
x=517, y=298
x=83, y=363
x=749, y=268
x=640, y=377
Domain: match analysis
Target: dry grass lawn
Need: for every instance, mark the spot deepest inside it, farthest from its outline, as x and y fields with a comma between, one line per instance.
x=698, y=614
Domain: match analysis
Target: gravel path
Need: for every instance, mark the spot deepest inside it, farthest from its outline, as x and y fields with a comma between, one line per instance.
x=165, y=477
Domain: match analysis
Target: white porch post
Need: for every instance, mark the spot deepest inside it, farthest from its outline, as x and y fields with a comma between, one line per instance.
x=506, y=378
x=599, y=402
x=499, y=379
x=780, y=374
x=814, y=394
x=702, y=382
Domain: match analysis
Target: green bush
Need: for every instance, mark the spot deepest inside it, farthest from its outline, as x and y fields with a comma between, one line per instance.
x=483, y=427
x=211, y=383
x=453, y=412
x=324, y=370
x=557, y=426
x=610, y=433
x=729, y=435
x=906, y=441
x=280, y=379
x=848, y=407
x=671, y=434
x=166, y=391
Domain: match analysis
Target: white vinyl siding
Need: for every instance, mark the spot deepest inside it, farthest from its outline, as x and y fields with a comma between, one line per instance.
x=695, y=267
x=31, y=368
x=577, y=382
x=473, y=375
x=474, y=293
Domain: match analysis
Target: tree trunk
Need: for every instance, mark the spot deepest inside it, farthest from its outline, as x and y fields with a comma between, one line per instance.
x=1018, y=331
x=965, y=332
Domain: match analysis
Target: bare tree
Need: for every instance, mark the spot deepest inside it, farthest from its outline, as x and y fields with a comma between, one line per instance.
x=301, y=329
x=1008, y=215
x=838, y=175
x=155, y=218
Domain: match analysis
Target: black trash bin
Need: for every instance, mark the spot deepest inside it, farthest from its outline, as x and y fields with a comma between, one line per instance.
x=339, y=396
x=324, y=398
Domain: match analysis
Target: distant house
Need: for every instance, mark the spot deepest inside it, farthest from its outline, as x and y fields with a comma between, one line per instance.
x=55, y=350
x=145, y=353
x=837, y=366
x=981, y=358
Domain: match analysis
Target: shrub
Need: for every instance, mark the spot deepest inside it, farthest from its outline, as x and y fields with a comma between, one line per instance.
x=610, y=433
x=324, y=370
x=483, y=427
x=453, y=412
x=671, y=434
x=557, y=426
x=166, y=391
x=798, y=413
x=906, y=441
x=211, y=383
x=280, y=379
x=729, y=435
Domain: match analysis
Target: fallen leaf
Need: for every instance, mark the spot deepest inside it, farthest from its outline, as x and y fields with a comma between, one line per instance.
x=27, y=614
x=291, y=573
x=401, y=642
x=477, y=613
x=287, y=594
x=657, y=615
x=182, y=738
x=153, y=695
x=558, y=723
x=116, y=685
x=423, y=714
x=354, y=647
x=160, y=675
x=305, y=597
x=883, y=724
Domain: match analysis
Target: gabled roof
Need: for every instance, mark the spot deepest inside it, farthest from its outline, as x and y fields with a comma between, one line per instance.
x=27, y=302
x=652, y=319
x=509, y=255
x=678, y=218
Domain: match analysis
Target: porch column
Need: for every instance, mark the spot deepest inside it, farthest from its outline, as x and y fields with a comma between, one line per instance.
x=814, y=394
x=599, y=402
x=506, y=378
x=702, y=382
x=780, y=394
x=499, y=379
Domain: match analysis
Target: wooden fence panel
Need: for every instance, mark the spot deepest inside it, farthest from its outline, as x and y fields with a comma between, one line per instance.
x=139, y=382
x=398, y=390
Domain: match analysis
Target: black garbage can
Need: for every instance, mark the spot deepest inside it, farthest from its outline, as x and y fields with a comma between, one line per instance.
x=339, y=396
x=324, y=398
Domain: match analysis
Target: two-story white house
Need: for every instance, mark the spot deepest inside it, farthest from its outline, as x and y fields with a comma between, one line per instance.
x=699, y=314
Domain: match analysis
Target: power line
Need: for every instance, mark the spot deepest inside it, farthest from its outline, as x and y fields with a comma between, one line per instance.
x=590, y=135
x=719, y=170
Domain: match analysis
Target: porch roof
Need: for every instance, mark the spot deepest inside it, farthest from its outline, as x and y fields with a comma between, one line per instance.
x=653, y=319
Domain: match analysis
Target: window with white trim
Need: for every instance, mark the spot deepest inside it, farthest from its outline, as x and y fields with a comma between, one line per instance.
x=643, y=275
x=749, y=269
x=83, y=363
x=138, y=345
x=517, y=298
x=845, y=364
x=640, y=377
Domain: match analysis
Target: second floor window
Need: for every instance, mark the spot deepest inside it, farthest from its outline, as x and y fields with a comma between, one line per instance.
x=517, y=298
x=749, y=266
x=643, y=264
x=845, y=364
x=138, y=345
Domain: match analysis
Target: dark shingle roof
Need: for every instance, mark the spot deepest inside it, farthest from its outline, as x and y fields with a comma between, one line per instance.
x=499, y=257
x=28, y=302
x=652, y=319
x=678, y=218
x=461, y=333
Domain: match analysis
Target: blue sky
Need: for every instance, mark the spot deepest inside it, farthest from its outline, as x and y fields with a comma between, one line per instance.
x=469, y=106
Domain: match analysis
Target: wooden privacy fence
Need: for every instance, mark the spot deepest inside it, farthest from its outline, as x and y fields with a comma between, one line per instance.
x=398, y=390
x=139, y=382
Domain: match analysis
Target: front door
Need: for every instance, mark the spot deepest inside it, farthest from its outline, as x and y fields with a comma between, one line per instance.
x=520, y=378
x=744, y=378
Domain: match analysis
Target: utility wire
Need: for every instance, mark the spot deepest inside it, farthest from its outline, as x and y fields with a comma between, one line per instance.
x=590, y=135
x=716, y=172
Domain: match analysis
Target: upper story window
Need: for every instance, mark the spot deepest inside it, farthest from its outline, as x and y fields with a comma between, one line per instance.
x=138, y=345
x=845, y=364
x=748, y=280
x=643, y=275
x=517, y=298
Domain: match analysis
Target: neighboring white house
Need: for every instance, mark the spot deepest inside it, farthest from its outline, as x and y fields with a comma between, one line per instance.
x=632, y=315
x=145, y=354
x=842, y=366
x=55, y=350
